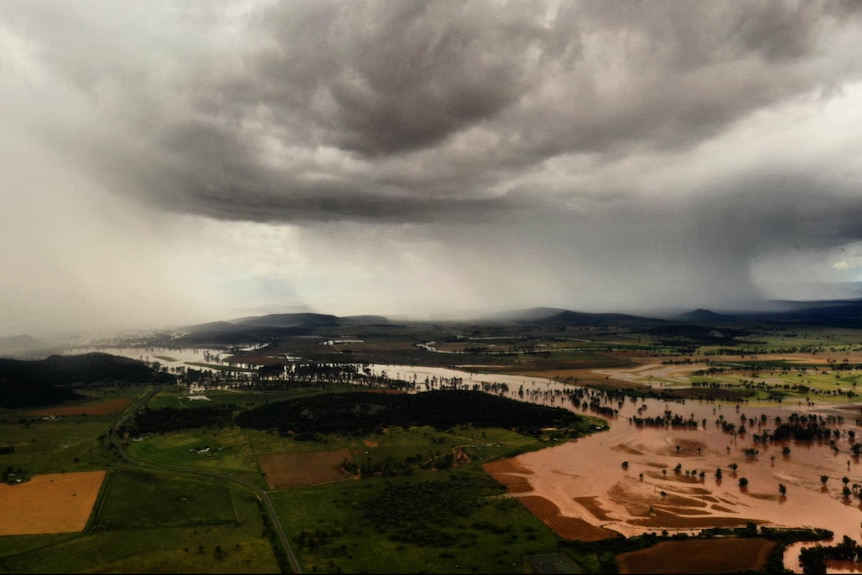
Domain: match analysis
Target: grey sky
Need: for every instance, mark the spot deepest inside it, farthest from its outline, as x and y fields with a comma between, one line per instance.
x=168, y=162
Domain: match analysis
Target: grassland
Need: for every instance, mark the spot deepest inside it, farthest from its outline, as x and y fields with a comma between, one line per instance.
x=154, y=522
x=151, y=520
x=55, y=444
x=458, y=521
x=143, y=521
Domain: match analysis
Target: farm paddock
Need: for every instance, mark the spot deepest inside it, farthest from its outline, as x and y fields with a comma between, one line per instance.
x=286, y=470
x=102, y=407
x=698, y=556
x=53, y=503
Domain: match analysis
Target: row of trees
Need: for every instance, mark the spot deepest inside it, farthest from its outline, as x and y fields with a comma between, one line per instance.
x=361, y=413
x=813, y=559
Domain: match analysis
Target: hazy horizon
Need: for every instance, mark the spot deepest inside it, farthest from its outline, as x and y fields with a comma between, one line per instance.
x=171, y=163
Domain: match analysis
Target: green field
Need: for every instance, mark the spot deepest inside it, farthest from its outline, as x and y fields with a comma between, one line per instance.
x=457, y=521
x=69, y=443
x=171, y=501
x=154, y=522
x=167, y=520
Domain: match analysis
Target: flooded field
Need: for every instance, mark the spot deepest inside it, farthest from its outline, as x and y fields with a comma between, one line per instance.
x=428, y=378
x=636, y=478
x=210, y=359
x=713, y=466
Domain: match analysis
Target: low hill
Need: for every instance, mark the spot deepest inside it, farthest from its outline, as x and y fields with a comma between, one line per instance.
x=702, y=315
x=288, y=320
x=557, y=316
x=364, y=412
x=52, y=380
x=257, y=329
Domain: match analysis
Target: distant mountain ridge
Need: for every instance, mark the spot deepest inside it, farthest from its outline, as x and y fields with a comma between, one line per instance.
x=550, y=315
x=260, y=329
x=266, y=327
x=288, y=320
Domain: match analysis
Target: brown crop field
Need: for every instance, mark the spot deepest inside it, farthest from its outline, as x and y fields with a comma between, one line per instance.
x=104, y=407
x=509, y=473
x=285, y=470
x=506, y=467
x=698, y=556
x=54, y=503
x=565, y=527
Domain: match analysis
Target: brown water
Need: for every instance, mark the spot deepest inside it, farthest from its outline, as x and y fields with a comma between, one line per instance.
x=580, y=475
x=586, y=478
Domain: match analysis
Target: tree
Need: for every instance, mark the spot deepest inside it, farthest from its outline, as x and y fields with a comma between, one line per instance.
x=824, y=479
x=782, y=489
x=743, y=483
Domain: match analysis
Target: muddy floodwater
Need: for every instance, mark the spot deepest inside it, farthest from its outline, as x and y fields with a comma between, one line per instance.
x=634, y=479
x=170, y=358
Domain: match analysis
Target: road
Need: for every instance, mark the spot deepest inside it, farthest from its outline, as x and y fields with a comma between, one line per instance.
x=261, y=494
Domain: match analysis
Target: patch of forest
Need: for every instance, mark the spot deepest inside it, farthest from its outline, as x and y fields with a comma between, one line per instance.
x=362, y=413
x=48, y=381
x=169, y=419
x=434, y=513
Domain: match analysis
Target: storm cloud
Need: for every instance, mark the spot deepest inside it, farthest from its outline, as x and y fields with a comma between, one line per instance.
x=629, y=155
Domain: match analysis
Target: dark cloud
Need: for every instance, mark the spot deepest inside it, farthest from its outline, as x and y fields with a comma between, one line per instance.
x=322, y=110
x=662, y=148
x=401, y=77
